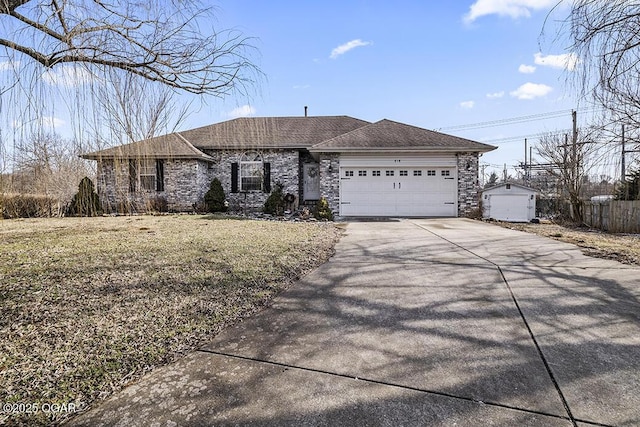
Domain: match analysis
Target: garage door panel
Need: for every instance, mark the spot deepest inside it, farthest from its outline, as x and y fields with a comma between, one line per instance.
x=509, y=207
x=398, y=191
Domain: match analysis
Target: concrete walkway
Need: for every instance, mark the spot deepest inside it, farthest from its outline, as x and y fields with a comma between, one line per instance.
x=418, y=322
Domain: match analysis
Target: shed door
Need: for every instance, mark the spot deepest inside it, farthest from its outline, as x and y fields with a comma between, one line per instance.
x=398, y=191
x=509, y=207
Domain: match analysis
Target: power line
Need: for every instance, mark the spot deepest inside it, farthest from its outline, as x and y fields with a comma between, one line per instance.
x=515, y=120
x=522, y=137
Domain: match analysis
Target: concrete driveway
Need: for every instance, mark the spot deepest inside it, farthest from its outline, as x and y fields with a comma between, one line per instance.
x=418, y=322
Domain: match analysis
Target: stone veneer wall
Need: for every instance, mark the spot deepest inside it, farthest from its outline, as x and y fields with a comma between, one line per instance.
x=284, y=170
x=468, y=185
x=330, y=180
x=113, y=185
x=185, y=182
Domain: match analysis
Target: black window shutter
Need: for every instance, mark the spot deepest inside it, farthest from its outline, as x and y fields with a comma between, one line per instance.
x=234, y=177
x=159, y=175
x=133, y=175
x=267, y=177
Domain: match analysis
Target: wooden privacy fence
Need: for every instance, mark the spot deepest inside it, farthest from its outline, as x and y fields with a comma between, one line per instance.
x=614, y=216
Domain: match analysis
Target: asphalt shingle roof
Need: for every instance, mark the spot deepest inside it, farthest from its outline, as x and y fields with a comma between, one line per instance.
x=167, y=146
x=318, y=134
x=271, y=132
x=388, y=135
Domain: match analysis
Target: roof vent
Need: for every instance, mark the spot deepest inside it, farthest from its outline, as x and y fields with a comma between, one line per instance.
x=305, y=110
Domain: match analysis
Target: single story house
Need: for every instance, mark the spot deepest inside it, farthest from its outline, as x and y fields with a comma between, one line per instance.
x=509, y=202
x=384, y=168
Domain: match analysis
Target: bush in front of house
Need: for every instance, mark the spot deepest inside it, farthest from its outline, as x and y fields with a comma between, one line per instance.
x=214, y=199
x=275, y=202
x=86, y=201
x=323, y=211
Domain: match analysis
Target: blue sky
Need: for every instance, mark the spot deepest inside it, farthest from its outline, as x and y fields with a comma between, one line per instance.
x=431, y=64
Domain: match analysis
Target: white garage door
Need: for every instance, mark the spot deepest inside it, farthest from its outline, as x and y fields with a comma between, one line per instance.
x=509, y=207
x=393, y=191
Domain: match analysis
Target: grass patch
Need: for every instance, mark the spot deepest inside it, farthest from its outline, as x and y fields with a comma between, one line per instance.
x=89, y=304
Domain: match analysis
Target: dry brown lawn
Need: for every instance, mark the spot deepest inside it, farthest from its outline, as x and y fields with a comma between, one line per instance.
x=624, y=248
x=89, y=304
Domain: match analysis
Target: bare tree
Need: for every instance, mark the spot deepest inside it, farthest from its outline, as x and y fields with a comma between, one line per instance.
x=605, y=35
x=159, y=40
x=47, y=164
x=135, y=109
x=570, y=164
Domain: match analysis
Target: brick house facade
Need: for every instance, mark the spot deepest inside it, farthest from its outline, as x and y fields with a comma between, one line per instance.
x=307, y=156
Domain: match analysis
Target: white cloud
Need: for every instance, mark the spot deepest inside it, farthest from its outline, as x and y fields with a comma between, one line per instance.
x=495, y=95
x=67, y=75
x=52, y=122
x=467, y=105
x=242, y=111
x=531, y=91
x=526, y=69
x=567, y=61
x=344, y=48
x=511, y=8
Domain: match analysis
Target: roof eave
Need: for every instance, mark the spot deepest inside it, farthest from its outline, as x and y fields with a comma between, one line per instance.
x=401, y=149
x=92, y=156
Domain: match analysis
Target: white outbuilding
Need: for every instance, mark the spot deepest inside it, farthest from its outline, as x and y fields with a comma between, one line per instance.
x=509, y=202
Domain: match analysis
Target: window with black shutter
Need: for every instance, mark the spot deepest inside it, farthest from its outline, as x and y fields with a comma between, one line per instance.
x=267, y=177
x=133, y=175
x=159, y=175
x=234, y=177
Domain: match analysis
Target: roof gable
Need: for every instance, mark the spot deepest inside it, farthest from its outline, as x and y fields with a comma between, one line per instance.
x=511, y=185
x=389, y=135
x=171, y=146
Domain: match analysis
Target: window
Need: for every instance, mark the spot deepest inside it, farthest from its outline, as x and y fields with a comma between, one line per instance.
x=445, y=173
x=431, y=173
x=375, y=173
x=146, y=175
x=251, y=172
x=348, y=173
x=362, y=173
x=388, y=173
x=404, y=173
x=417, y=173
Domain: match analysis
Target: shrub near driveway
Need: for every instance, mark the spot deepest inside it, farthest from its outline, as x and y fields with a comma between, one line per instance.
x=88, y=304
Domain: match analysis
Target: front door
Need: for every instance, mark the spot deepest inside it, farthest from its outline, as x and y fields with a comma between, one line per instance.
x=311, y=177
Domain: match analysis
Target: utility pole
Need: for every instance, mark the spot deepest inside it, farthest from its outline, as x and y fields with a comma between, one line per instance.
x=525, y=162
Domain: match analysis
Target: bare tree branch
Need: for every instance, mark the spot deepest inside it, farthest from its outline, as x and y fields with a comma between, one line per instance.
x=160, y=41
x=606, y=36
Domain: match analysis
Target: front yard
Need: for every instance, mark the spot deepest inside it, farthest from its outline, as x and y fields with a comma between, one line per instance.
x=89, y=304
